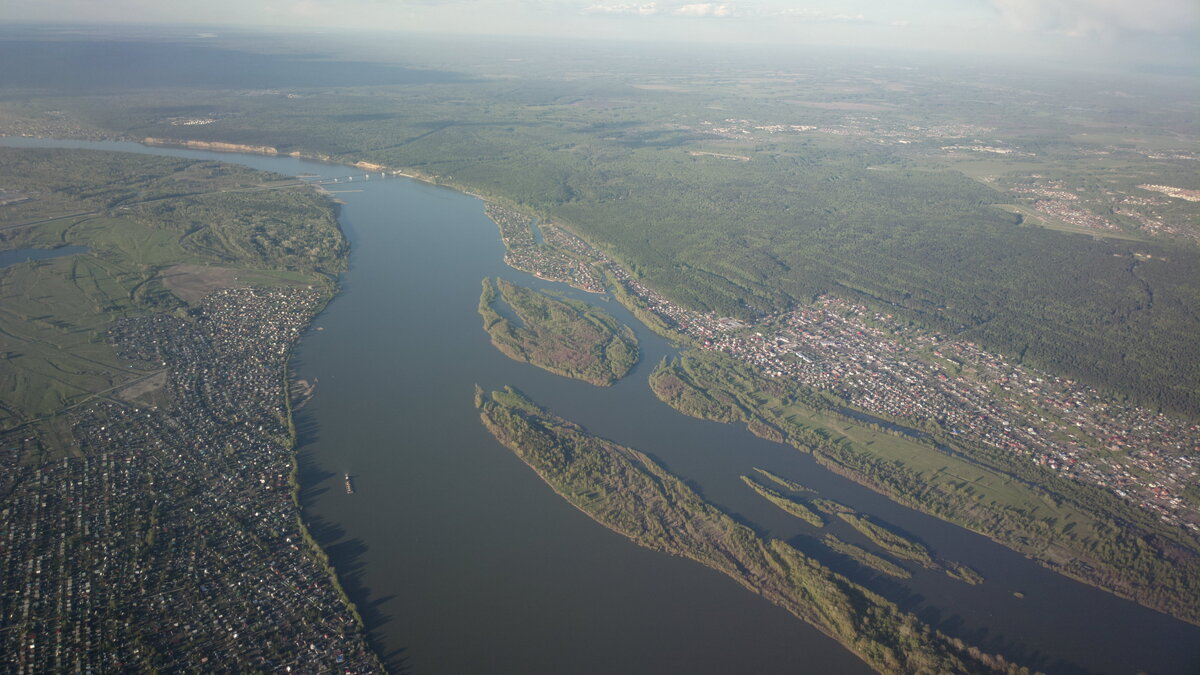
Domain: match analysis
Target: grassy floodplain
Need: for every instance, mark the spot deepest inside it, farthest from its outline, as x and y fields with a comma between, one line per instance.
x=629, y=493
x=562, y=336
x=1076, y=530
x=158, y=231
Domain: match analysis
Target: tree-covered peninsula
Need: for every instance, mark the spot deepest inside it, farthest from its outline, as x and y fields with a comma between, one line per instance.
x=565, y=337
x=629, y=493
x=1075, y=529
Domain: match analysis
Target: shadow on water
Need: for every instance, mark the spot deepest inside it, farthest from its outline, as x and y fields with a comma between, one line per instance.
x=909, y=601
x=347, y=556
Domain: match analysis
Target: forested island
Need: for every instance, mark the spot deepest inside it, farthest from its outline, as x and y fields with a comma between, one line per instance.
x=563, y=336
x=629, y=493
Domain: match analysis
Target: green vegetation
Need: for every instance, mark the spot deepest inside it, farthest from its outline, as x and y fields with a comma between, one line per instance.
x=893, y=543
x=781, y=481
x=878, y=208
x=866, y=558
x=566, y=337
x=963, y=573
x=1075, y=529
x=158, y=232
x=831, y=507
x=791, y=506
x=629, y=493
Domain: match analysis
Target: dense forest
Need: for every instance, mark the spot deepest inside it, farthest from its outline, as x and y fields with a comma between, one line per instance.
x=744, y=222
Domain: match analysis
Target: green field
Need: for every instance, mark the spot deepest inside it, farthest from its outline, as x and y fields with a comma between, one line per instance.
x=54, y=313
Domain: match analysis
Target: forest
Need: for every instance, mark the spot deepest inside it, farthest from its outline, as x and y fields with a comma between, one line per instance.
x=704, y=189
x=562, y=336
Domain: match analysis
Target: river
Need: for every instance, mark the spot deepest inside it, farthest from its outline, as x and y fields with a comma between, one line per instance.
x=462, y=560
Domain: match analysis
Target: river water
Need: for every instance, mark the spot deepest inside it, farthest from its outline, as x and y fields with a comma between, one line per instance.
x=462, y=560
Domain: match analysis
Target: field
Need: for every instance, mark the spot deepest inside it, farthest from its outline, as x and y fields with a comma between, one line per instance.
x=145, y=252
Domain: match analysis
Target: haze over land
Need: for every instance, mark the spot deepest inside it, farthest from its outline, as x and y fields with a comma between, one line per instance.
x=1110, y=32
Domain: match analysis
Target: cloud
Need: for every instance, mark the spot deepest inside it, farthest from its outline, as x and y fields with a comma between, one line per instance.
x=1100, y=18
x=722, y=10
x=644, y=9
x=817, y=14
x=705, y=9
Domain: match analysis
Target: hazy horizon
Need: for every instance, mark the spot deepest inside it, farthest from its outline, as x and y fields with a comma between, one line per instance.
x=1106, y=33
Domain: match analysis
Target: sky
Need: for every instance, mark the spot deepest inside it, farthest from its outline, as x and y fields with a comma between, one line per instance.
x=1133, y=31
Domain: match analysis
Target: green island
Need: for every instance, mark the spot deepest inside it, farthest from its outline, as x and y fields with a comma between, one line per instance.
x=785, y=503
x=963, y=573
x=562, y=336
x=782, y=482
x=146, y=425
x=1075, y=529
x=626, y=491
x=892, y=542
x=901, y=547
x=866, y=558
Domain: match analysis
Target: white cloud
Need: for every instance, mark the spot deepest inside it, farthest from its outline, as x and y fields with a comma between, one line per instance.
x=705, y=9
x=817, y=14
x=644, y=9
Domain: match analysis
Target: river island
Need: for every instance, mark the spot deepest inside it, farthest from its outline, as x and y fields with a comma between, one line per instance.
x=562, y=336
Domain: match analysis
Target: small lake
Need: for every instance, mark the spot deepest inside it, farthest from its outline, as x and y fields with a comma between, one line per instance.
x=20, y=255
x=462, y=560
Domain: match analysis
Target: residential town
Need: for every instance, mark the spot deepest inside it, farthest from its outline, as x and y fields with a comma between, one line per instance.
x=884, y=367
x=173, y=542
x=524, y=253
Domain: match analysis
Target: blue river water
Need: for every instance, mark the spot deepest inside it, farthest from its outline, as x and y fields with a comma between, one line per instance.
x=462, y=560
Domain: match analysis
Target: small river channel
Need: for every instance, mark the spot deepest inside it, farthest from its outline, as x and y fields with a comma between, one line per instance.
x=462, y=560
x=20, y=255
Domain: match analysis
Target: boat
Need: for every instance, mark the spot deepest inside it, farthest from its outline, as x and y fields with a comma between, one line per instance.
x=349, y=485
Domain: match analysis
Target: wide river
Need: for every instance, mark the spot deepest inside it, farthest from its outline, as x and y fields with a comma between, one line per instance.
x=462, y=560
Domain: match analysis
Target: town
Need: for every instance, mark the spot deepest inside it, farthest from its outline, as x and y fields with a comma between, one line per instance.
x=174, y=541
x=885, y=367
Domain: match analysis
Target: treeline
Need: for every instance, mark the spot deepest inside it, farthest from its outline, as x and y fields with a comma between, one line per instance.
x=64, y=181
